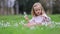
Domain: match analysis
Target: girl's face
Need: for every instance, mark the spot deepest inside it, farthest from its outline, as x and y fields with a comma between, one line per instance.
x=37, y=10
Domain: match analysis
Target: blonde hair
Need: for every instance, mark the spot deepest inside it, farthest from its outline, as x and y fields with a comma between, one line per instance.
x=32, y=11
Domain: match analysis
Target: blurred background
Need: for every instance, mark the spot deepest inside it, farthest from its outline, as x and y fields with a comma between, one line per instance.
x=15, y=7
x=12, y=17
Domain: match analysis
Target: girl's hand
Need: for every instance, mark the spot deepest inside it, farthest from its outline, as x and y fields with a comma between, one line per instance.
x=26, y=17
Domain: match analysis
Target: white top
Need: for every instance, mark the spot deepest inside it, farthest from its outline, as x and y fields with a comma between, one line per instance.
x=39, y=19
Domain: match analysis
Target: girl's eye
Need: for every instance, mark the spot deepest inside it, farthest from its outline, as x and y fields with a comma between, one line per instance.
x=36, y=10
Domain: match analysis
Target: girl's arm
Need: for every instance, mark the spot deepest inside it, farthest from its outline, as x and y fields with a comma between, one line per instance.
x=47, y=19
x=27, y=19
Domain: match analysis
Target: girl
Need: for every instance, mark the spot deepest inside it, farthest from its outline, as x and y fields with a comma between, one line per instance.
x=39, y=16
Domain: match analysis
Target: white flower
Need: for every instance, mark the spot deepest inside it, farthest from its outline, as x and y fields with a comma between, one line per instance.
x=22, y=22
x=57, y=23
x=6, y=24
x=16, y=24
x=43, y=23
x=25, y=14
x=1, y=24
x=32, y=28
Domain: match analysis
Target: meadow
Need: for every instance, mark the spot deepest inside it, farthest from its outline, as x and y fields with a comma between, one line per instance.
x=11, y=24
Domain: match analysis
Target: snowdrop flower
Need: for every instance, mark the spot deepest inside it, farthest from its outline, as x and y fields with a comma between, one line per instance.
x=16, y=24
x=52, y=24
x=43, y=23
x=8, y=24
x=22, y=22
x=57, y=23
x=25, y=14
x=1, y=24
x=5, y=25
x=32, y=28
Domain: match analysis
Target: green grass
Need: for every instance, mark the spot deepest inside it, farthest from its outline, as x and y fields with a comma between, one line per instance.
x=12, y=19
